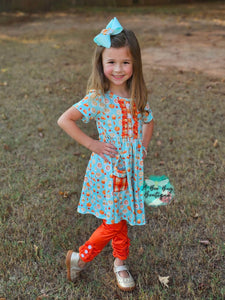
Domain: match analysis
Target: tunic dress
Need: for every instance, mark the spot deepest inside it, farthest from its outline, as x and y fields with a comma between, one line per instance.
x=112, y=190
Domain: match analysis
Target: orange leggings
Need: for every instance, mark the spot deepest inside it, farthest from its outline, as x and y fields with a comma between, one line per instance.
x=100, y=238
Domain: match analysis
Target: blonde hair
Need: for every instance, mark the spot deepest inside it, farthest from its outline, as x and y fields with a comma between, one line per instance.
x=135, y=84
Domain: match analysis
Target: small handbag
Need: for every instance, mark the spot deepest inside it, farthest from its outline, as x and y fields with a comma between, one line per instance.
x=157, y=191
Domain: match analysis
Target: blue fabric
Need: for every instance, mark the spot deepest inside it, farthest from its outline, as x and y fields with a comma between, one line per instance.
x=116, y=125
x=103, y=38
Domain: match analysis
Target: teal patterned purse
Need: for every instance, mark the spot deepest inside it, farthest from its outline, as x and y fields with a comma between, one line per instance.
x=157, y=191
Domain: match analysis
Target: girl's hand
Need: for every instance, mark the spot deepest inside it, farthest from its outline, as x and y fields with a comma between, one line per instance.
x=144, y=155
x=103, y=149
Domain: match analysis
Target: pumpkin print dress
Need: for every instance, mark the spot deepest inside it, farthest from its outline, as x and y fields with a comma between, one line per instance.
x=112, y=190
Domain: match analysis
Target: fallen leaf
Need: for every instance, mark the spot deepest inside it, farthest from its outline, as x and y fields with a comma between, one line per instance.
x=4, y=117
x=156, y=154
x=140, y=251
x=202, y=286
x=159, y=143
x=6, y=147
x=195, y=216
x=216, y=144
x=37, y=252
x=3, y=83
x=41, y=132
x=4, y=70
x=77, y=153
x=42, y=297
x=205, y=242
x=64, y=194
x=20, y=14
x=164, y=280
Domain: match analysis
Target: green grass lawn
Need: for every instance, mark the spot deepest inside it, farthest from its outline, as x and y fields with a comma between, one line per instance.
x=44, y=66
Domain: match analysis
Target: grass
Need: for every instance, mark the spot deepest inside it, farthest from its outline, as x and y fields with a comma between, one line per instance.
x=42, y=72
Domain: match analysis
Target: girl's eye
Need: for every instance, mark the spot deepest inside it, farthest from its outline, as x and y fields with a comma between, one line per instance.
x=126, y=62
x=111, y=62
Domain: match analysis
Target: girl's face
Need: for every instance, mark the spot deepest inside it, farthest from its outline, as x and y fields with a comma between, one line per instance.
x=117, y=66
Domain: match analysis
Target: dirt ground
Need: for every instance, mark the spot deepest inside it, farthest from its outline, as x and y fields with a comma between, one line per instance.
x=195, y=46
x=186, y=43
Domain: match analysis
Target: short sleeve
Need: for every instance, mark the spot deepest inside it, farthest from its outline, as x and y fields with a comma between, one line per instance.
x=89, y=106
x=147, y=115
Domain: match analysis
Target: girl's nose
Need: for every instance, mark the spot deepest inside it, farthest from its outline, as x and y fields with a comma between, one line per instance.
x=117, y=68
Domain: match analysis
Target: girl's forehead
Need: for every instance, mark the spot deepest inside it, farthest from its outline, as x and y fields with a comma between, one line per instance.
x=123, y=52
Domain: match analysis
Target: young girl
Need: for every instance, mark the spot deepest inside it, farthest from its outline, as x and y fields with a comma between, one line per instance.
x=117, y=100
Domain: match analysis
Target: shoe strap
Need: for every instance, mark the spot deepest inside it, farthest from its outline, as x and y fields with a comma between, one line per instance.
x=120, y=268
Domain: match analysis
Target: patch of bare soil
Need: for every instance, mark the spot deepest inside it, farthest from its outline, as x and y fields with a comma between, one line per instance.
x=201, y=51
x=185, y=43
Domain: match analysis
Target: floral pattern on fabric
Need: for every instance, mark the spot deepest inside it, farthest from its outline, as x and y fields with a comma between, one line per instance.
x=103, y=195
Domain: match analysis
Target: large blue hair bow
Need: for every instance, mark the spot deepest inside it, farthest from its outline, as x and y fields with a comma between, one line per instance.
x=103, y=38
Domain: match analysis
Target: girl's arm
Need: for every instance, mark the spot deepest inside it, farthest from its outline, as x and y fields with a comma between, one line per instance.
x=147, y=132
x=67, y=122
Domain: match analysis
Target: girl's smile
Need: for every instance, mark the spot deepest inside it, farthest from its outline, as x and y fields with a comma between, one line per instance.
x=117, y=66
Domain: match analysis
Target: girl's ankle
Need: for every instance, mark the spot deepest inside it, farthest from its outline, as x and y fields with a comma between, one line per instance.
x=118, y=262
x=81, y=263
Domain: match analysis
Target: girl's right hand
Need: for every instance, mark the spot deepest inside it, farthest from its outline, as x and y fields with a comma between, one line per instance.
x=102, y=149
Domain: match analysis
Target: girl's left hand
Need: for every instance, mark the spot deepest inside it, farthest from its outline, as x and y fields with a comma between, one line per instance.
x=144, y=155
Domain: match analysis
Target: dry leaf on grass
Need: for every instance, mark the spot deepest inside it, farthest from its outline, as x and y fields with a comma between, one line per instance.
x=159, y=143
x=42, y=297
x=77, y=153
x=195, y=216
x=4, y=117
x=215, y=144
x=164, y=280
x=156, y=154
x=64, y=194
x=6, y=148
x=205, y=242
x=140, y=251
x=37, y=251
